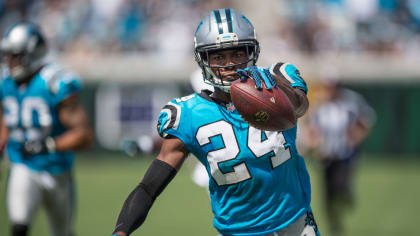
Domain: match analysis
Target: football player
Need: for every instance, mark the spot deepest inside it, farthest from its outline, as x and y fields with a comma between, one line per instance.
x=45, y=123
x=258, y=183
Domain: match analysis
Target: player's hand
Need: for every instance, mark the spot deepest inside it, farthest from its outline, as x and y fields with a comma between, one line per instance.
x=145, y=144
x=38, y=146
x=130, y=147
x=292, y=74
x=259, y=75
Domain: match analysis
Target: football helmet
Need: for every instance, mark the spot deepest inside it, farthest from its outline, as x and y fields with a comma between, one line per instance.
x=220, y=30
x=25, y=45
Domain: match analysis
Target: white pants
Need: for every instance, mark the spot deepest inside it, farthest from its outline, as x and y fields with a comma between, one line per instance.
x=28, y=189
x=298, y=228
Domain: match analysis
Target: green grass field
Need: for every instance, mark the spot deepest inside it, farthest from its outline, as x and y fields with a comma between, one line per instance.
x=387, y=193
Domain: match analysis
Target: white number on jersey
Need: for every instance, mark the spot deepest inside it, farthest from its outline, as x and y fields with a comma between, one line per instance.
x=273, y=143
x=229, y=152
x=25, y=111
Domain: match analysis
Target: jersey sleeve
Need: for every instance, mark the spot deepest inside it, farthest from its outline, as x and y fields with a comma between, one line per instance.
x=168, y=120
x=291, y=74
x=175, y=120
x=60, y=82
x=66, y=85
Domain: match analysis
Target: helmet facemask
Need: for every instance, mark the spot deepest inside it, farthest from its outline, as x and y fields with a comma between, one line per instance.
x=212, y=74
x=23, y=66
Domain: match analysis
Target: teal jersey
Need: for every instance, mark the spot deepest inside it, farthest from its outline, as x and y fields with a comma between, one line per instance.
x=30, y=113
x=258, y=182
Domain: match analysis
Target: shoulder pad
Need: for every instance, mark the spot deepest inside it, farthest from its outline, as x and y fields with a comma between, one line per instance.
x=55, y=75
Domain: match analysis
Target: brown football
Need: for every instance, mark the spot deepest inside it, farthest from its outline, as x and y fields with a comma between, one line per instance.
x=265, y=109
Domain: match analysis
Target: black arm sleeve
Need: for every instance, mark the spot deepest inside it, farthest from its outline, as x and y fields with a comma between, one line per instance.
x=139, y=202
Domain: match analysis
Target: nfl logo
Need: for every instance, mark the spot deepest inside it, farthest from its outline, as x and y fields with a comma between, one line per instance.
x=230, y=107
x=262, y=116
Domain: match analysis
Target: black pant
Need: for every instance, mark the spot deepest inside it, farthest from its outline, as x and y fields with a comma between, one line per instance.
x=338, y=187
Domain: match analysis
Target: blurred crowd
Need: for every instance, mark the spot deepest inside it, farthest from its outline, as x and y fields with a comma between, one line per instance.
x=130, y=26
x=99, y=26
x=376, y=26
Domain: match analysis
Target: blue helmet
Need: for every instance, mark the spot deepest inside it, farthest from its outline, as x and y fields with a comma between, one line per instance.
x=224, y=29
x=26, y=44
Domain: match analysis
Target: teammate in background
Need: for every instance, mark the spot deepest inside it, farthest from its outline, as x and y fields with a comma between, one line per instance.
x=337, y=128
x=46, y=122
x=259, y=184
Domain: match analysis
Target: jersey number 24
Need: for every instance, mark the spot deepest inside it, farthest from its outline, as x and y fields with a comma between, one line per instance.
x=274, y=143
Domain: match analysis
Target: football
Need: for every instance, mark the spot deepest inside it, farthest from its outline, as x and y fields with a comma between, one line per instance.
x=265, y=109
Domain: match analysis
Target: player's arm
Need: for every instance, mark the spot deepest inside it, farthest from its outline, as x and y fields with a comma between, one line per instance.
x=4, y=132
x=78, y=135
x=359, y=130
x=73, y=116
x=356, y=133
x=293, y=85
x=296, y=96
x=162, y=170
